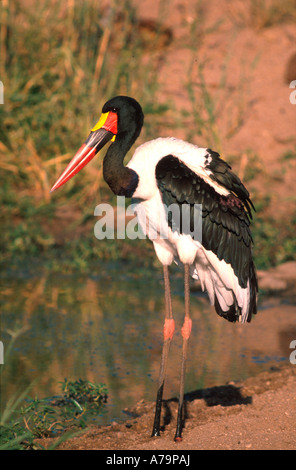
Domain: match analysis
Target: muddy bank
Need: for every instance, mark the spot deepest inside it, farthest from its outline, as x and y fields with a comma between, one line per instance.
x=259, y=413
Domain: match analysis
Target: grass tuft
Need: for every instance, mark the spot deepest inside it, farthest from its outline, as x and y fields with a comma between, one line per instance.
x=26, y=419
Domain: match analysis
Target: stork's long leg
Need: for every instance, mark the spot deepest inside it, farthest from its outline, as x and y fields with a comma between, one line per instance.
x=186, y=330
x=168, y=331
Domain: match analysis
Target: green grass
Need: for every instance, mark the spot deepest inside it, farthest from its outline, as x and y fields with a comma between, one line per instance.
x=26, y=419
x=289, y=155
x=275, y=241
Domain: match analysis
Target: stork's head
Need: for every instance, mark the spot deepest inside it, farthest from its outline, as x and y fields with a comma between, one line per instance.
x=121, y=122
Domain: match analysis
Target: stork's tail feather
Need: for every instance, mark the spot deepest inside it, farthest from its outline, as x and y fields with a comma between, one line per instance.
x=232, y=299
x=253, y=291
x=244, y=301
x=234, y=312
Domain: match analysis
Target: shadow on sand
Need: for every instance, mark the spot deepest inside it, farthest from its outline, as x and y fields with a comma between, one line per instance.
x=223, y=395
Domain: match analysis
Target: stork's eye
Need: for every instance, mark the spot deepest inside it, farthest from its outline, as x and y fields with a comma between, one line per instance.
x=114, y=110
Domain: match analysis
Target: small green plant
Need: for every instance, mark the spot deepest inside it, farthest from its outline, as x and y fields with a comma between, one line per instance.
x=82, y=392
x=289, y=155
x=50, y=417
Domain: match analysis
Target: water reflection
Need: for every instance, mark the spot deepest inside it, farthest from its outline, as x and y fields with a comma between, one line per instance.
x=108, y=328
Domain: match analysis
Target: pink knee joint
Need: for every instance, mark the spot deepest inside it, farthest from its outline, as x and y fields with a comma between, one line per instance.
x=186, y=328
x=168, y=329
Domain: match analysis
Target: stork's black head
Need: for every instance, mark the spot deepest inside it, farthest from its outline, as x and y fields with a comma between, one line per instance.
x=130, y=115
x=121, y=121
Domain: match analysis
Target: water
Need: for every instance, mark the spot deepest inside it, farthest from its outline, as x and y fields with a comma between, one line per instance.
x=108, y=328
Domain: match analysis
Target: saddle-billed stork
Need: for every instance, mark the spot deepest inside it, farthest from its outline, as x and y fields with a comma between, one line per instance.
x=169, y=171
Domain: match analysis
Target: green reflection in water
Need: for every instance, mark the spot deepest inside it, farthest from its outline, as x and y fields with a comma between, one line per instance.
x=108, y=328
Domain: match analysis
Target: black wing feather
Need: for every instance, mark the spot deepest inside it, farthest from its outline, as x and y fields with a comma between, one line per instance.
x=226, y=219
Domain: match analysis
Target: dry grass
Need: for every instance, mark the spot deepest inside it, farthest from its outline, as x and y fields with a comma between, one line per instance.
x=261, y=14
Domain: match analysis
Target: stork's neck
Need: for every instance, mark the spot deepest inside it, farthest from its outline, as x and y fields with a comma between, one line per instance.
x=122, y=180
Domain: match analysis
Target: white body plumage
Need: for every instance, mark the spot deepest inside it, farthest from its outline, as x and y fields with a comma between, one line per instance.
x=216, y=276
